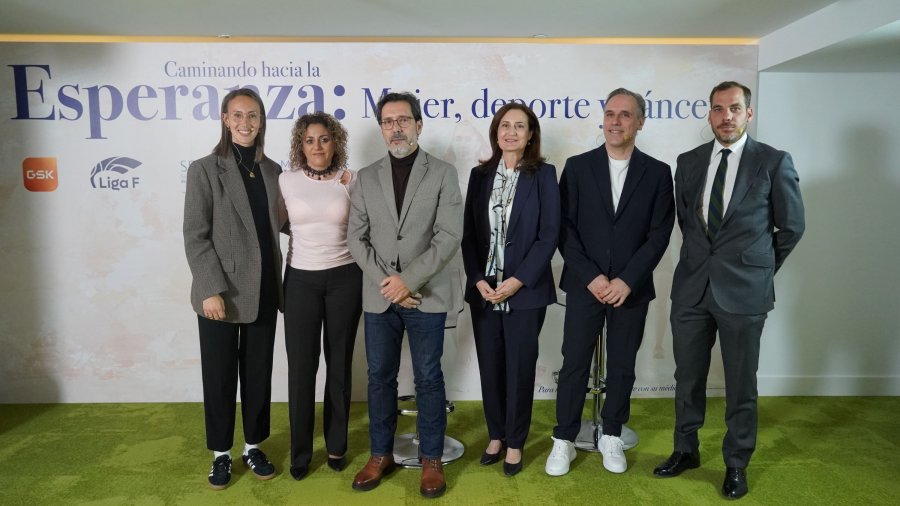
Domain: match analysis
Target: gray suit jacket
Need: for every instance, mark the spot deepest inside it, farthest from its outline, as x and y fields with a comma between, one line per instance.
x=423, y=238
x=220, y=237
x=762, y=224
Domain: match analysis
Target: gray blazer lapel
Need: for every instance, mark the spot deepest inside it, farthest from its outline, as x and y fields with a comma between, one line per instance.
x=386, y=179
x=746, y=172
x=233, y=183
x=419, y=169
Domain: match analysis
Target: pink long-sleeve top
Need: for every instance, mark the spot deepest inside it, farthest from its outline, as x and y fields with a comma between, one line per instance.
x=318, y=212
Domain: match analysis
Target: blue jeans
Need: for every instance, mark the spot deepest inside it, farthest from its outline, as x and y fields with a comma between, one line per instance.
x=384, y=337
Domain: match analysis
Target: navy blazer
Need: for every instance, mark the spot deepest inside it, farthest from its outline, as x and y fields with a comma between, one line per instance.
x=531, y=237
x=626, y=243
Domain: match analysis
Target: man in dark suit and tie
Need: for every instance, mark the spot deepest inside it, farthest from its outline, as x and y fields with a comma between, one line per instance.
x=740, y=212
x=617, y=217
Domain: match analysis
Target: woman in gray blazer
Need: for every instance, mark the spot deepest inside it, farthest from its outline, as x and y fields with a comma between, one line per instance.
x=233, y=212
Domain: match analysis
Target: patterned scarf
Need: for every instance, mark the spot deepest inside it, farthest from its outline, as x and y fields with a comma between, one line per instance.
x=502, y=195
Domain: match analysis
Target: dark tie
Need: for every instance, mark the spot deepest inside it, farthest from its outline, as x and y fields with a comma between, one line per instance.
x=716, y=206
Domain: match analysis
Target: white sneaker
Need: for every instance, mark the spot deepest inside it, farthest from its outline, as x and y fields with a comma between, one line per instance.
x=612, y=449
x=562, y=454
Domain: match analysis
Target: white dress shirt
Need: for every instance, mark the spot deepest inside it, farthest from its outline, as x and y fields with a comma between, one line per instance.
x=734, y=160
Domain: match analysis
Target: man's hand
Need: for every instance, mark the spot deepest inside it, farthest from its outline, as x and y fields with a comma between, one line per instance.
x=412, y=301
x=616, y=293
x=598, y=286
x=214, y=307
x=394, y=289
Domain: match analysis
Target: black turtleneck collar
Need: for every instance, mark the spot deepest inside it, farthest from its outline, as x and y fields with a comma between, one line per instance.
x=244, y=155
x=406, y=162
x=400, y=170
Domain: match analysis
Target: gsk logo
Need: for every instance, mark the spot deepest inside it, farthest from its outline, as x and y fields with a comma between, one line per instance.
x=114, y=174
x=39, y=174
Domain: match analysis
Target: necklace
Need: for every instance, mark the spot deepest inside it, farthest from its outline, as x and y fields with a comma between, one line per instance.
x=319, y=174
x=240, y=162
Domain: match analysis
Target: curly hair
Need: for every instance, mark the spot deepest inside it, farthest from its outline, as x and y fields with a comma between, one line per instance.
x=337, y=132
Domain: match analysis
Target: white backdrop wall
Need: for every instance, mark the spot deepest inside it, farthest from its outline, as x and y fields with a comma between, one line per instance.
x=94, y=282
x=836, y=329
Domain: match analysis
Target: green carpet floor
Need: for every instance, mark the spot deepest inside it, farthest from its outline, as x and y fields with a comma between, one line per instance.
x=812, y=450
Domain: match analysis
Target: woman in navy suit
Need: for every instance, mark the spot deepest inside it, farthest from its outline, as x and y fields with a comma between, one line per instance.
x=510, y=232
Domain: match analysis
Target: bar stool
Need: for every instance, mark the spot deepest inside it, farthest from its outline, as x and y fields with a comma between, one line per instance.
x=406, y=446
x=591, y=429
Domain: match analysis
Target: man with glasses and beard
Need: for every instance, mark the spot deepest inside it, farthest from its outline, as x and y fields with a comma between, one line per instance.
x=405, y=226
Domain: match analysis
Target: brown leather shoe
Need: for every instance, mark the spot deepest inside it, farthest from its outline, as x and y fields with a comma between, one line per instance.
x=375, y=469
x=433, y=484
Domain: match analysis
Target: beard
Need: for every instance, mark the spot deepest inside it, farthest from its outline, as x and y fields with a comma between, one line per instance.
x=403, y=149
x=400, y=150
x=731, y=138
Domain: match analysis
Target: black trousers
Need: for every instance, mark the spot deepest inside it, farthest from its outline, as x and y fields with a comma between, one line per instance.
x=229, y=351
x=507, y=349
x=321, y=307
x=693, y=336
x=585, y=317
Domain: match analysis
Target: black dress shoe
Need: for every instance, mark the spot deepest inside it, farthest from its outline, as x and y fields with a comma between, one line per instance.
x=337, y=463
x=299, y=472
x=512, y=469
x=488, y=459
x=492, y=458
x=677, y=463
x=735, y=485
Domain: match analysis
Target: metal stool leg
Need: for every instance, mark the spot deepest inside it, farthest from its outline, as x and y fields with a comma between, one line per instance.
x=406, y=446
x=591, y=430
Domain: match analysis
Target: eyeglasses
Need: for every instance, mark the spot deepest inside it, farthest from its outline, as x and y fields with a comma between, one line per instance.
x=403, y=121
x=238, y=116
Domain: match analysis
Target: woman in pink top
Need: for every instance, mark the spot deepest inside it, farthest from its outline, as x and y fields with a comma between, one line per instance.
x=322, y=287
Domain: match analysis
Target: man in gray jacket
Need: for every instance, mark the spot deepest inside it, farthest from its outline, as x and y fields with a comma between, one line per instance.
x=405, y=226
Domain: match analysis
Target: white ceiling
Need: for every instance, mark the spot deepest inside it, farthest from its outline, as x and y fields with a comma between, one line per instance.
x=406, y=18
x=290, y=19
x=875, y=51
